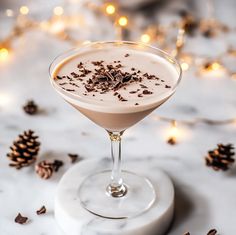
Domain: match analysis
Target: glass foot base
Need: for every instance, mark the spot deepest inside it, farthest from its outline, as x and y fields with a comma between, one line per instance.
x=95, y=198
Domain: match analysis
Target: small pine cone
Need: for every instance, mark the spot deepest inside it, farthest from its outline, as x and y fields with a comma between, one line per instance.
x=220, y=158
x=30, y=107
x=24, y=150
x=44, y=169
x=190, y=25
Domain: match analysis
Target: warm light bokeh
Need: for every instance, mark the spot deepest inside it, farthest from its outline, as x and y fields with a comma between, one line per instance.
x=24, y=10
x=9, y=12
x=58, y=11
x=145, y=38
x=123, y=21
x=4, y=53
x=184, y=66
x=110, y=9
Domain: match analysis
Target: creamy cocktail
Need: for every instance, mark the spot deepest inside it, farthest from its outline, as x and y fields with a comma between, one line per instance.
x=116, y=87
x=115, y=84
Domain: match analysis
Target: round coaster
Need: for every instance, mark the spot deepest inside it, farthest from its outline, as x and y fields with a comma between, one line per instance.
x=74, y=219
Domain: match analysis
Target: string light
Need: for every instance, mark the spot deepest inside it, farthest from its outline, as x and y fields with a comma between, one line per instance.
x=24, y=10
x=184, y=66
x=110, y=9
x=212, y=68
x=86, y=42
x=215, y=66
x=145, y=38
x=173, y=133
x=123, y=21
x=179, y=42
x=4, y=53
x=9, y=12
x=58, y=11
x=57, y=27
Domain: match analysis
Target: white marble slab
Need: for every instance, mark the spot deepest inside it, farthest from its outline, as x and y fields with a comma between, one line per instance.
x=73, y=219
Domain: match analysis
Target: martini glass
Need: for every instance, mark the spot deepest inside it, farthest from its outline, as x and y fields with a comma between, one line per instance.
x=115, y=193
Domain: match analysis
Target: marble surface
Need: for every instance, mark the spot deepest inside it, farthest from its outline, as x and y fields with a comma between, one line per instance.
x=204, y=198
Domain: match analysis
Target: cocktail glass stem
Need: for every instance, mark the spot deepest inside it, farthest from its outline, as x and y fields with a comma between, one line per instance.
x=116, y=188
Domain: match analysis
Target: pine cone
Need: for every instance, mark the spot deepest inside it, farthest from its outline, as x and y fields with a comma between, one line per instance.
x=190, y=25
x=30, y=107
x=221, y=157
x=24, y=150
x=44, y=169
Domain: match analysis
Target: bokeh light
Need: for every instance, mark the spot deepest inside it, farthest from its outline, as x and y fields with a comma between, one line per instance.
x=110, y=9
x=123, y=21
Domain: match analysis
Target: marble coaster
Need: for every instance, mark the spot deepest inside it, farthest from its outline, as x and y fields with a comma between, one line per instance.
x=75, y=220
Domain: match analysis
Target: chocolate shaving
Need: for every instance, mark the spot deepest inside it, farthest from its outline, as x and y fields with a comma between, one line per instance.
x=97, y=63
x=80, y=65
x=57, y=164
x=69, y=78
x=63, y=83
x=166, y=86
x=73, y=157
x=143, y=86
x=121, y=98
x=21, y=219
x=67, y=89
x=211, y=232
x=75, y=75
x=126, y=55
x=58, y=77
x=147, y=92
x=126, y=78
x=108, y=77
x=41, y=211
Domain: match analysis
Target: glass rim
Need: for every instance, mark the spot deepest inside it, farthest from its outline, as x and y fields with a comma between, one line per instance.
x=166, y=56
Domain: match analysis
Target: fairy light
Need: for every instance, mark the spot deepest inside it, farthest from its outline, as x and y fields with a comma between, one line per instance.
x=180, y=41
x=213, y=68
x=9, y=12
x=173, y=133
x=110, y=9
x=57, y=27
x=145, y=38
x=86, y=42
x=184, y=66
x=4, y=53
x=58, y=11
x=24, y=10
x=216, y=66
x=123, y=21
